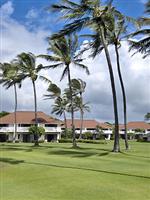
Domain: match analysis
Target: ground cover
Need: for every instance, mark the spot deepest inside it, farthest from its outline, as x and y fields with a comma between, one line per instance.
x=58, y=172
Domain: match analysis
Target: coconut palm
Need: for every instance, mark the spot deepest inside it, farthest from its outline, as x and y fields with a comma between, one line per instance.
x=9, y=77
x=78, y=86
x=91, y=14
x=29, y=69
x=63, y=52
x=60, y=104
x=142, y=45
x=82, y=107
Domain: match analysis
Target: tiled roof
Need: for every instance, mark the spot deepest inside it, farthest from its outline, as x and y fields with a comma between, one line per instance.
x=87, y=124
x=136, y=125
x=28, y=117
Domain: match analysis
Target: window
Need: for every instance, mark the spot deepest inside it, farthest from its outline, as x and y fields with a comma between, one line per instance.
x=50, y=125
x=25, y=125
x=4, y=125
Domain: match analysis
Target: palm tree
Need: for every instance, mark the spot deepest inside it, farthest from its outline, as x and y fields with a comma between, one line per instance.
x=91, y=14
x=114, y=38
x=60, y=104
x=9, y=77
x=82, y=107
x=29, y=69
x=63, y=52
x=142, y=45
x=78, y=86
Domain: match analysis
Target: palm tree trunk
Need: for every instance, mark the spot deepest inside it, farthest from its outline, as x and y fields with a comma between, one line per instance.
x=124, y=96
x=15, y=115
x=81, y=126
x=116, y=147
x=65, y=120
x=81, y=117
x=35, y=113
x=72, y=111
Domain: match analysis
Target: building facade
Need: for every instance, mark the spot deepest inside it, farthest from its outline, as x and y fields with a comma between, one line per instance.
x=25, y=119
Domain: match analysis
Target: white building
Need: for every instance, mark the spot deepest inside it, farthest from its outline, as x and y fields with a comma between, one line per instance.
x=25, y=119
x=90, y=126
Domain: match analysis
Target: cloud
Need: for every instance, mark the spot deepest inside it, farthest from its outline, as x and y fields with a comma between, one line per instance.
x=33, y=13
x=143, y=1
x=16, y=38
x=6, y=9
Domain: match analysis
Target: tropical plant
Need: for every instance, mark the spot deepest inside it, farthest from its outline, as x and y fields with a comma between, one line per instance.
x=91, y=14
x=37, y=130
x=60, y=100
x=142, y=45
x=63, y=52
x=147, y=116
x=29, y=69
x=3, y=113
x=9, y=76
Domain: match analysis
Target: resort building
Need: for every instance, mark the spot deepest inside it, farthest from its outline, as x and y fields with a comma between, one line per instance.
x=138, y=128
x=91, y=126
x=25, y=119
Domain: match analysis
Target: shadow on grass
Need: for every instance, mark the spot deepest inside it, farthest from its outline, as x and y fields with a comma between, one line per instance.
x=132, y=155
x=88, y=169
x=14, y=162
x=77, y=153
x=11, y=161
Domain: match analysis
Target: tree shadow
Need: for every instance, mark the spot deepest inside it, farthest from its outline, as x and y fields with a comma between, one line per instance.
x=11, y=161
x=88, y=169
x=78, y=153
x=132, y=155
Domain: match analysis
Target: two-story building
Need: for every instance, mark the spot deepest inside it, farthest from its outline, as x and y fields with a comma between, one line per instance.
x=138, y=128
x=25, y=119
x=90, y=126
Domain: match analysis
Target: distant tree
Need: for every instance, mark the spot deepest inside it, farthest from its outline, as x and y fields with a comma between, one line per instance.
x=147, y=116
x=37, y=130
x=3, y=113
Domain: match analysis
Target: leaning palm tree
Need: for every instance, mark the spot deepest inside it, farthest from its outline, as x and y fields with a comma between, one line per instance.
x=143, y=44
x=29, y=69
x=63, y=52
x=91, y=14
x=9, y=77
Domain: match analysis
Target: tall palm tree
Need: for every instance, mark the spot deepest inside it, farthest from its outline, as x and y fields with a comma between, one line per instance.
x=9, y=76
x=142, y=45
x=29, y=69
x=91, y=14
x=63, y=52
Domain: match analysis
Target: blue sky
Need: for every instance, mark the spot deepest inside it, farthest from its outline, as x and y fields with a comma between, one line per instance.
x=25, y=25
x=134, y=8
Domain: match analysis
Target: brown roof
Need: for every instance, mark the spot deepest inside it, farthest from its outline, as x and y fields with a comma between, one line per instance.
x=28, y=117
x=136, y=125
x=87, y=124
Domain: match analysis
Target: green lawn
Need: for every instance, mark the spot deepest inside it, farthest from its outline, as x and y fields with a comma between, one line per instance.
x=58, y=172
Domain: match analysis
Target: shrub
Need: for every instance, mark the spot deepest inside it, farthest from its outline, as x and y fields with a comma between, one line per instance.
x=63, y=140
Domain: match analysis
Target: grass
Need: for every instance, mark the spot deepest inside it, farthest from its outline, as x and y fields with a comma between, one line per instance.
x=58, y=172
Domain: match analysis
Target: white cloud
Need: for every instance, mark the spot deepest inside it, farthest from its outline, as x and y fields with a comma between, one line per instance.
x=32, y=14
x=135, y=70
x=6, y=9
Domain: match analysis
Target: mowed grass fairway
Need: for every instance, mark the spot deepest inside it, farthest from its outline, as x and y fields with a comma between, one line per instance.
x=58, y=172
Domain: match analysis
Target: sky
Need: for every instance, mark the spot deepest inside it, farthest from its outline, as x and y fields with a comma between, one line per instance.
x=25, y=25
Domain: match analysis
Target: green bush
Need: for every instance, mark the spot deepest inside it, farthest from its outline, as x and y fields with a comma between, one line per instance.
x=88, y=135
x=63, y=140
